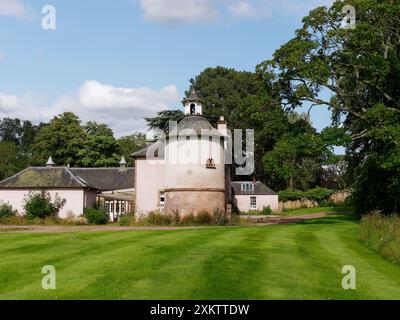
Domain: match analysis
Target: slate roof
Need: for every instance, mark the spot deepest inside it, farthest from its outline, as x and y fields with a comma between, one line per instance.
x=259, y=189
x=193, y=125
x=44, y=177
x=104, y=179
x=107, y=179
x=156, y=149
x=193, y=97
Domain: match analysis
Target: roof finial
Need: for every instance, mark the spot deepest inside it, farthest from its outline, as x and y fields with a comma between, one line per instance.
x=50, y=163
x=123, y=163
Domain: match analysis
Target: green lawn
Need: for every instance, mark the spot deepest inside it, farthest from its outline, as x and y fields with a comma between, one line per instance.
x=297, y=261
x=302, y=211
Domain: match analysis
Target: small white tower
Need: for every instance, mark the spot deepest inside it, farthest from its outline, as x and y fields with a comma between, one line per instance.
x=193, y=104
x=50, y=163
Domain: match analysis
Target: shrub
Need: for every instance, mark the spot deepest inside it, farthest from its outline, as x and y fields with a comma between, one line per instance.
x=156, y=218
x=40, y=205
x=96, y=216
x=382, y=235
x=127, y=220
x=318, y=194
x=221, y=218
x=188, y=220
x=266, y=211
x=204, y=218
x=290, y=195
x=6, y=210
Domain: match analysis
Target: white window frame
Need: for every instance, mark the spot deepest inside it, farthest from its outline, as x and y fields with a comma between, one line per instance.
x=253, y=206
x=161, y=195
x=247, y=186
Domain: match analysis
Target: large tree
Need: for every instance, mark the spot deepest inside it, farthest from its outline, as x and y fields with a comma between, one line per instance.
x=101, y=148
x=359, y=70
x=62, y=138
x=130, y=144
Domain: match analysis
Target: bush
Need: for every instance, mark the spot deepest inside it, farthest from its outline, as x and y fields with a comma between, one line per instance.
x=266, y=211
x=221, y=218
x=317, y=194
x=40, y=205
x=204, y=218
x=157, y=218
x=6, y=210
x=127, y=220
x=382, y=235
x=96, y=216
x=290, y=195
x=188, y=220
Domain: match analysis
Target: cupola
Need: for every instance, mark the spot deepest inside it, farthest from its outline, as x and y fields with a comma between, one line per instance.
x=193, y=104
x=50, y=163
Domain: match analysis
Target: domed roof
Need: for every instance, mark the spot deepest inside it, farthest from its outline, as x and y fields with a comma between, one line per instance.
x=194, y=124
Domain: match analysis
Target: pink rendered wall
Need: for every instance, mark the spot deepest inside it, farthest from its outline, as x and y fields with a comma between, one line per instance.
x=150, y=179
x=74, y=197
x=243, y=202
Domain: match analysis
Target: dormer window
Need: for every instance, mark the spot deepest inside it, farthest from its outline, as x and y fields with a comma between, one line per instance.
x=210, y=164
x=247, y=186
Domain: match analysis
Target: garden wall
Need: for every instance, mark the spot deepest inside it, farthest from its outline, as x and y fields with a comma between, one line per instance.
x=336, y=198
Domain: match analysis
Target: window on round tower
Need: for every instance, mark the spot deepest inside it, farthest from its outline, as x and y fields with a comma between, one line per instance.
x=192, y=108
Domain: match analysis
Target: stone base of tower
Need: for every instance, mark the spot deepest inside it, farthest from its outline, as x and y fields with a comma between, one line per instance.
x=191, y=201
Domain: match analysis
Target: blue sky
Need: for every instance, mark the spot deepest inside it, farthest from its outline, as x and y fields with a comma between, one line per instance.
x=119, y=61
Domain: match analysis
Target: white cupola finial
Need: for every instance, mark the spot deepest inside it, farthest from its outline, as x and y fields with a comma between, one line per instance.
x=193, y=104
x=123, y=163
x=50, y=163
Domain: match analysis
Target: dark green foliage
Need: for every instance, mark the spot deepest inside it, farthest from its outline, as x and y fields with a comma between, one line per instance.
x=6, y=211
x=266, y=211
x=96, y=216
x=317, y=194
x=62, y=138
x=160, y=123
x=360, y=68
x=130, y=144
x=290, y=195
x=101, y=149
x=40, y=205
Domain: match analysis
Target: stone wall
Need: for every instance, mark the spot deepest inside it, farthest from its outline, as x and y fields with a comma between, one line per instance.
x=337, y=198
x=187, y=202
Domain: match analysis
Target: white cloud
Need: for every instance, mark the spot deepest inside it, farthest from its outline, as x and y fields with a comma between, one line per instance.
x=123, y=109
x=13, y=8
x=209, y=11
x=179, y=11
x=245, y=10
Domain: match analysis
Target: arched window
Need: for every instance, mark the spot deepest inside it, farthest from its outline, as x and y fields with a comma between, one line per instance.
x=192, y=108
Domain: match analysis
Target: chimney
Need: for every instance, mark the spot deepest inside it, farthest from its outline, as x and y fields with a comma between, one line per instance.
x=50, y=162
x=122, y=163
x=222, y=126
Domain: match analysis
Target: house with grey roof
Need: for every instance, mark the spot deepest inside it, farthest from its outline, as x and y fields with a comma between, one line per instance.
x=112, y=188
x=253, y=196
